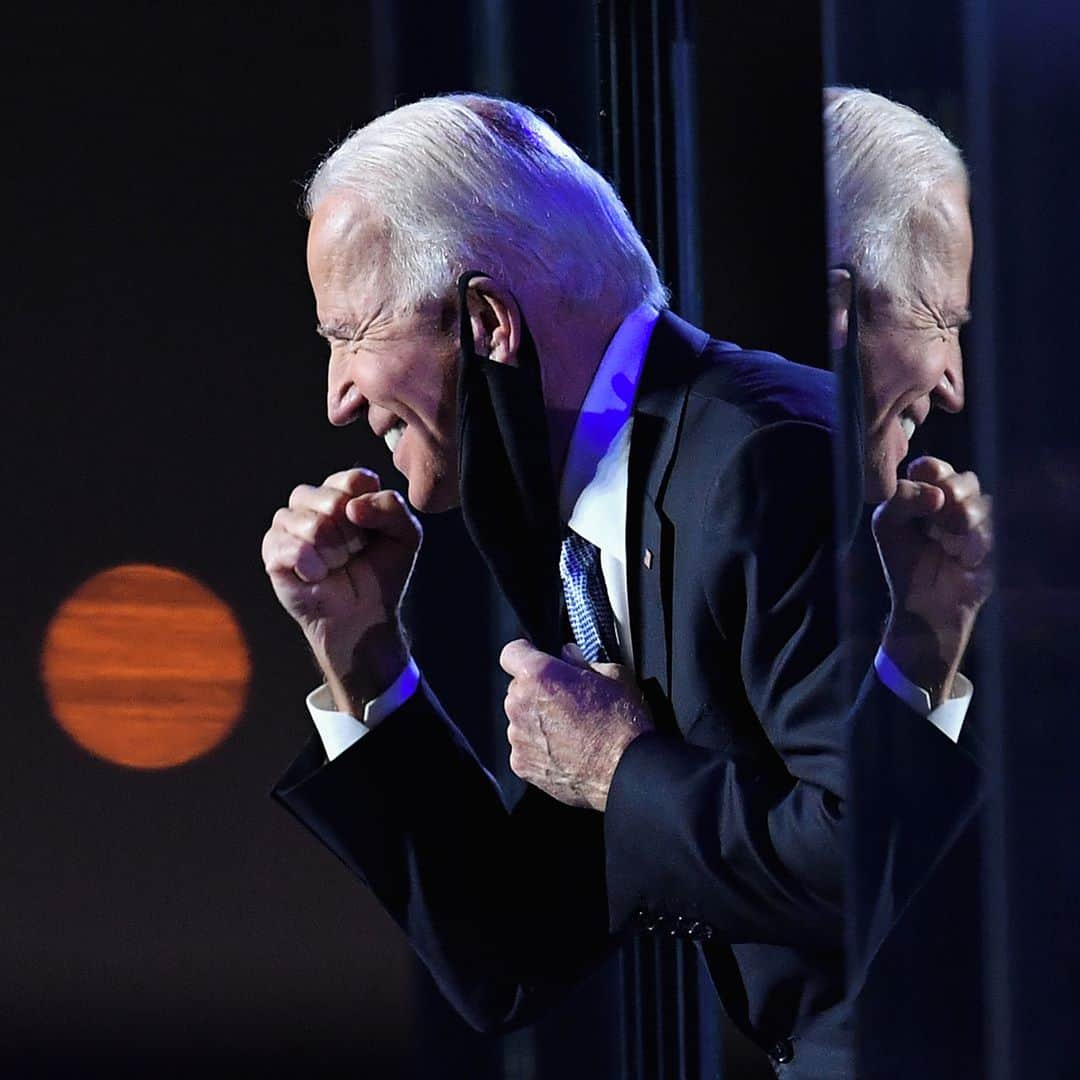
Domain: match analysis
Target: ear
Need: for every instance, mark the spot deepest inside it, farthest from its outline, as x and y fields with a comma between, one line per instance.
x=839, y=290
x=496, y=320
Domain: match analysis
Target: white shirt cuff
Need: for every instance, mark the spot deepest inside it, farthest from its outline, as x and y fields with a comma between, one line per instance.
x=948, y=717
x=339, y=730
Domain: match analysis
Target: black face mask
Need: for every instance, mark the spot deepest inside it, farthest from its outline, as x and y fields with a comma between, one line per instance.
x=508, y=496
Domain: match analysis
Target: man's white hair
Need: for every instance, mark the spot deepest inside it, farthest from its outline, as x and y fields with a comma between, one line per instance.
x=884, y=162
x=467, y=182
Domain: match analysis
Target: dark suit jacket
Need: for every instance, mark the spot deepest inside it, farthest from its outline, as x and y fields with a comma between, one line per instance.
x=723, y=825
x=914, y=927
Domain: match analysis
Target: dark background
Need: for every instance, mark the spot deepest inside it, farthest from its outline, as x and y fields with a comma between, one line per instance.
x=165, y=393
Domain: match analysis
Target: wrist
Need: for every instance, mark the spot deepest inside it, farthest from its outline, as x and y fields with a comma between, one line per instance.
x=358, y=674
x=926, y=655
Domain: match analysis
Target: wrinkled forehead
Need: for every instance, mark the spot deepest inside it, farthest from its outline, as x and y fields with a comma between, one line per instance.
x=345, y=239
x=946, y=226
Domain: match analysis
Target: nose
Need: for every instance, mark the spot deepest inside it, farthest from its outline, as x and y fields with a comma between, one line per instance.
x=344, y=401
x=949, y=392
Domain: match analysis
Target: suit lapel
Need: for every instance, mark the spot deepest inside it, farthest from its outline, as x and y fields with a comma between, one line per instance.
x=670, y=365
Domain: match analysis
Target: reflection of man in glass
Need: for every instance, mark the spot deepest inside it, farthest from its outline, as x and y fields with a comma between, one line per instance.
x=899, y=219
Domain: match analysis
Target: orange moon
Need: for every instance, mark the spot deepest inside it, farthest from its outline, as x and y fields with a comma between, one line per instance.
x=145, y=667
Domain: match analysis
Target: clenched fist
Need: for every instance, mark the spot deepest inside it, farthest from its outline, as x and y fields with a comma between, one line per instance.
x=934, y=537
x=339, y=557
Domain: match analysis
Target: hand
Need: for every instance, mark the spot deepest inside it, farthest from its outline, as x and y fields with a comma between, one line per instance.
x=569, y=721
x=339, y=557
x=934, y=537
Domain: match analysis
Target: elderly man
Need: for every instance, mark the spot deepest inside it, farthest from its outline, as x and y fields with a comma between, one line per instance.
x=492, y=313
x=900, y=221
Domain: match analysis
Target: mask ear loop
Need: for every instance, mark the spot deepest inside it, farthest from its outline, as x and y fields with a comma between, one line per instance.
x=465, y=334
x=851, y=433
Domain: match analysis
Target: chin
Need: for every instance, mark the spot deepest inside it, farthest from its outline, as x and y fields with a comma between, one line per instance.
x=879, y=485
x=433, y=487
x=434, y=498
x=881, y=464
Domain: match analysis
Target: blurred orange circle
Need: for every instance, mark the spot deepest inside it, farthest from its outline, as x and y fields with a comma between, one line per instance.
x=145, y=667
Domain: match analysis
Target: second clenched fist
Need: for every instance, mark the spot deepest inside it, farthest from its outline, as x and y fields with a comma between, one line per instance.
x=935, y=537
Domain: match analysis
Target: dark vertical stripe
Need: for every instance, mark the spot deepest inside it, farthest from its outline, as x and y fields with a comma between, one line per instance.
x=983, y=336
x=660, y=97
x=649, y=96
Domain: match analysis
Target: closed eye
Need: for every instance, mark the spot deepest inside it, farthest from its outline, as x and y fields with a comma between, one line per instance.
x=336, y=332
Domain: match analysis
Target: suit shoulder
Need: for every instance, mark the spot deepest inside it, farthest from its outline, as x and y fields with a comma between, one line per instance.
x=765, y=388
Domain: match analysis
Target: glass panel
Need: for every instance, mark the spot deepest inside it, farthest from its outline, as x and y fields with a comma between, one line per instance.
x=979, y=979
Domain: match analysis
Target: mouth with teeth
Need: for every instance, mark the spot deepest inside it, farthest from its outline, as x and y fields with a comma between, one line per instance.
x=393, y=436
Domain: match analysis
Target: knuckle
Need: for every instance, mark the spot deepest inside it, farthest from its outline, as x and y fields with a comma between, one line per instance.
x=322, y=531
x=269, y=554
x=356, y=476
x=299, y=494
x=273, y=543
x=511, y=655
x=284, y=553
x=516, y=705
x=967, y=516
x=299, y=551
x=543, y=668
x=967, y=485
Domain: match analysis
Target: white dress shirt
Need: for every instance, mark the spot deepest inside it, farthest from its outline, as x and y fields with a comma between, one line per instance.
x=592, y=501
x=948, y=717
x=592, y=495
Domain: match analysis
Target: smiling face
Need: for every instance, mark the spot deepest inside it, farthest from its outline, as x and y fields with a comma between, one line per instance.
x=395, y=368
x=910, y=346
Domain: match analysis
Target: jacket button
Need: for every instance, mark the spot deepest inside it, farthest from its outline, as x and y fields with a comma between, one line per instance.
x=645, y=919
x=782, y=1052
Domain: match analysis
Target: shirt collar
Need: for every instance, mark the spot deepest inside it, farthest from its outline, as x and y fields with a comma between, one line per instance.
x=592, y=495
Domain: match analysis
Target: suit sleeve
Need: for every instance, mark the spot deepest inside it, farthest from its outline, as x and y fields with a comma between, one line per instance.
x=913, y=791
x=507, y=909
x=751, y=843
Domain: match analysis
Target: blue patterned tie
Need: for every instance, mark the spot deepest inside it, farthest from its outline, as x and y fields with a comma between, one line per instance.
x=587, y=604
